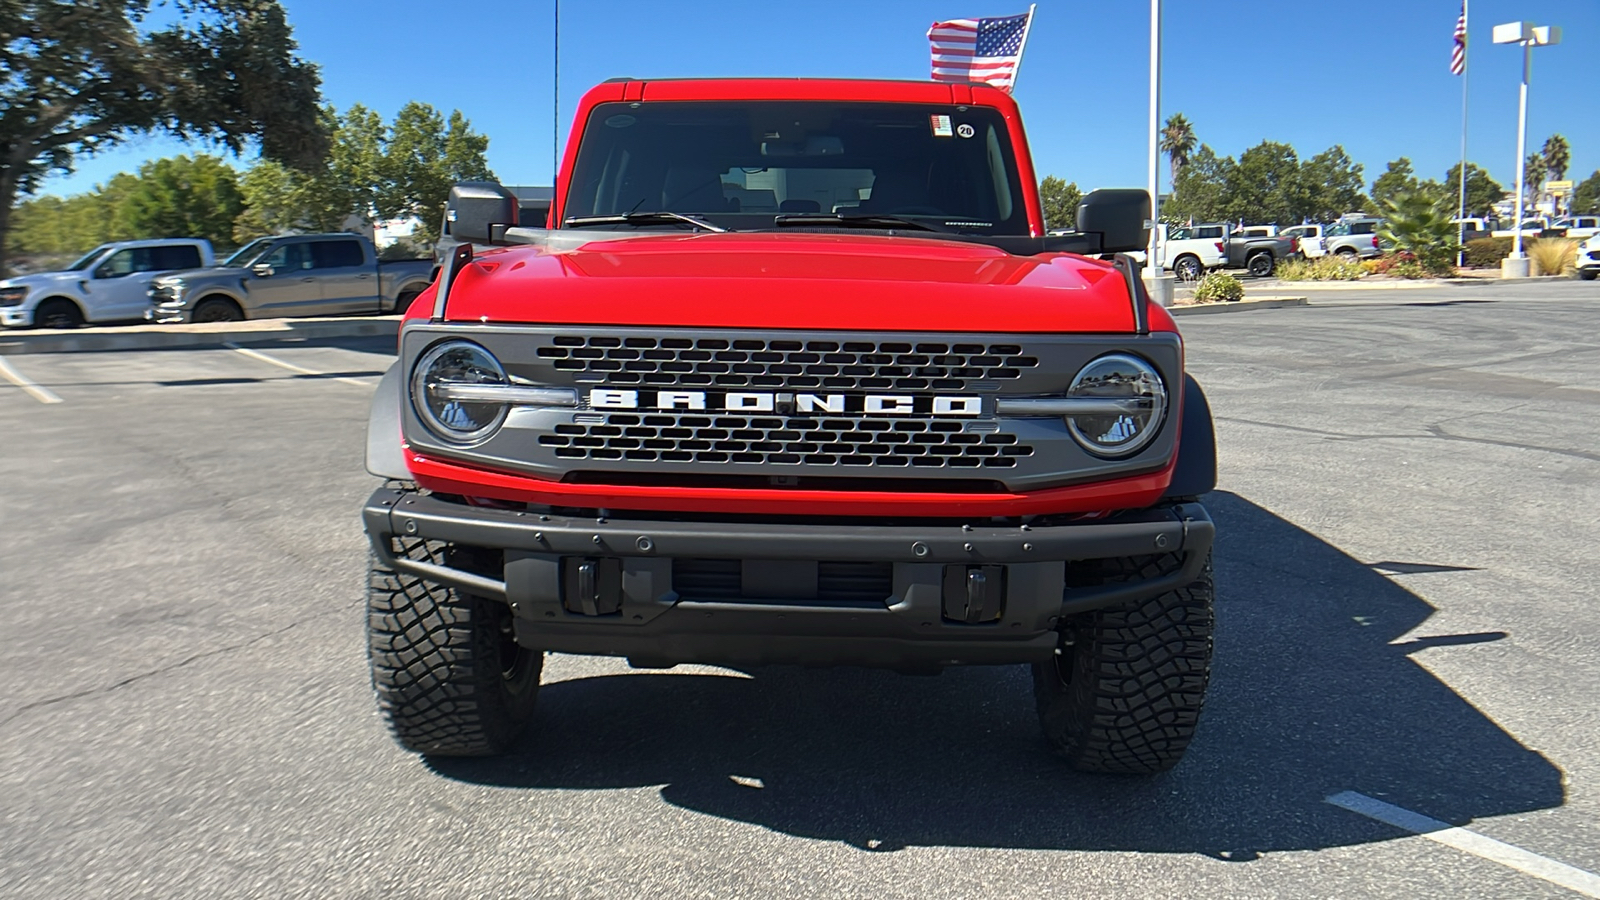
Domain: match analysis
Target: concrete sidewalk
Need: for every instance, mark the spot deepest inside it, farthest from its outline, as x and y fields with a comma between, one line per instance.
x=169, y=337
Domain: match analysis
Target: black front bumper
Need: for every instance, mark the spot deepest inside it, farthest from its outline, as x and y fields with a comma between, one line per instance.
x=910, y=628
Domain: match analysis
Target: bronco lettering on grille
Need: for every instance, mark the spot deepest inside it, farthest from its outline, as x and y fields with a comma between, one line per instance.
x=789, y=403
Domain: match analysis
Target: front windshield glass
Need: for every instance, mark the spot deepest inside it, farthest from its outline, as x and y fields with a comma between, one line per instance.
x=245, y=254
x=741, y=164
x=88, y=258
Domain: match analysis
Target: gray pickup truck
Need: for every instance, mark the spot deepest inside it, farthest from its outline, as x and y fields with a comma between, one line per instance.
x=291, y=275
x=1353, y=238
x=1258, y=249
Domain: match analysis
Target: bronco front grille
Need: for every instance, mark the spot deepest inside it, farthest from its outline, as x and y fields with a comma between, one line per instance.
x=790, y=364
x=776, y=440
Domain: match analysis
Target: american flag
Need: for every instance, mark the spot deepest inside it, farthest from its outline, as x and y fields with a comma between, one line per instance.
x=1458, y=53
x=987, y=50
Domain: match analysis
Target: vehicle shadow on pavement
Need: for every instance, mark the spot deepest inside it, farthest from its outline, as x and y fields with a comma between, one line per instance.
x=1310, y=697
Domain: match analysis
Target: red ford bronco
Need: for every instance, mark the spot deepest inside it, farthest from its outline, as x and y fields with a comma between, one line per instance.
x=794, y=376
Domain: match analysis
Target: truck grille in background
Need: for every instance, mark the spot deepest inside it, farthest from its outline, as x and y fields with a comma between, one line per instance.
x=774, y=440
x=838, y=582
x=787, y=364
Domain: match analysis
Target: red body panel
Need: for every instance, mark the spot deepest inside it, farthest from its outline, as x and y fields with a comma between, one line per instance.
x=798, y=281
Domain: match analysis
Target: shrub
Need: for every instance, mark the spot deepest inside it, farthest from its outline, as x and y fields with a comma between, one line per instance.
x=1332, y=267
x=1555, y=256
x=1400, y=264
x=1486, y=253
x=1419, y=223
x=1218, y=287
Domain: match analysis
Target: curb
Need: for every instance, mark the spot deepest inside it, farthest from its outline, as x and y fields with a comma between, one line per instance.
x=1411, y=285
x=172, y=337
x=1204, y=309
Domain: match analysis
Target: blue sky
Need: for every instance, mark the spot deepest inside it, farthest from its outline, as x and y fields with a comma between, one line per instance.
x=1305, y=73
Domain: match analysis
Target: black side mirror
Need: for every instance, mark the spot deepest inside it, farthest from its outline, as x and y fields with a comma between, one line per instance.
x=480, y=212
x=1119, y=215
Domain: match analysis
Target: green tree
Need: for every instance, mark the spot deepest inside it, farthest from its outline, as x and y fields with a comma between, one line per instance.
x=1265, y=186
x=1483, y=192
x=1060, y=202
x=182, y=196
x=83, y=77
x=1586, y=195
x=1178, y=142
x=1533, y=177
x=1331, y=184
x=425, y=156
x=1557, y=155
x=1420, y=223
x=1200, y=192
x=1397, y=179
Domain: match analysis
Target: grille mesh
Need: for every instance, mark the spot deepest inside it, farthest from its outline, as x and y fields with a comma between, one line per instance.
x=880, y=443
x=787, y=364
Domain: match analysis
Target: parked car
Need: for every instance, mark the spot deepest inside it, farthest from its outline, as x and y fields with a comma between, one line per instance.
x=1475, y=228
x=110, y=283
x=291, y=275
x=1581, y=227
x=1256, y=249
x=1310, y=239
x=1589, y=258
x=1531, y=228
x=1189, y=250
x=1353, y=238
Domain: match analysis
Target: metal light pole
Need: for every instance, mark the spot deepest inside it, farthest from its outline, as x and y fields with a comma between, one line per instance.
x=1529, y=36
x=1156, y=280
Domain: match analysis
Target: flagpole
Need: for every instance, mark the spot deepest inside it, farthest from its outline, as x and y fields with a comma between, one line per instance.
x=1153, y=263
x=1466, y=72
x=555, y=101
x=1021, y=48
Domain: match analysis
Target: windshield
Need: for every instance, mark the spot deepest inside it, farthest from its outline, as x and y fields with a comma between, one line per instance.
x=245, y=254
x=739, y=165
x=88, y=258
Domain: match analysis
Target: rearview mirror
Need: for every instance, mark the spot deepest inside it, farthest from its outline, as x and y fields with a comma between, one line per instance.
x=261, y=270
x=480, y=212
x=1120, y=216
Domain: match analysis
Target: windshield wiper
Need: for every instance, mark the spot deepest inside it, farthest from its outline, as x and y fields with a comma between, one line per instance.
x=662, y=217
x=868, y=220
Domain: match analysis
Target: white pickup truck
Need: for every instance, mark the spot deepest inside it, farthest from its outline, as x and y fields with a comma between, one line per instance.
x=1310, y=239
x=110, y=283
x=1189, y=250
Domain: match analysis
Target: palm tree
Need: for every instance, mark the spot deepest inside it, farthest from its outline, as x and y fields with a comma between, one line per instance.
x=1177, y=141
x=1533, y=177
x=1557, y=156
x=1420, y=223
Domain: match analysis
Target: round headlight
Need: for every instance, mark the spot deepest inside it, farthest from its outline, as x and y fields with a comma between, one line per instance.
x=1136, y=402
x=457, y=363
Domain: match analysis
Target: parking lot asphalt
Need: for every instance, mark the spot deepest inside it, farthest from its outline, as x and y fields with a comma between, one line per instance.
x=1407, y=613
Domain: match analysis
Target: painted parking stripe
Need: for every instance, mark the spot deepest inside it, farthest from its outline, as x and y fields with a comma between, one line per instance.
x=1508, y=855
x=33, y=389
x=272, y=360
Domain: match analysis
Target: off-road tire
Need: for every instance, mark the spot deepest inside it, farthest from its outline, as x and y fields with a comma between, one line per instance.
x=1125, y=691
x=448, y=678
x=58, y=312
x=1261, y=265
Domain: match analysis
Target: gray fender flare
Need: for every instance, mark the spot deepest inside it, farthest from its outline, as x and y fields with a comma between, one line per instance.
x=384, y=457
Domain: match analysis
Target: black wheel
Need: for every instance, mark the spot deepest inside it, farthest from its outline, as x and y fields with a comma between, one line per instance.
x=1348, y=254
x=450, y=678
x=403, y=303
x=1260, y=265
x=1124, y=692
x=1188, y=268
x=58, y=312
x=217, y=309
x=1588, y=274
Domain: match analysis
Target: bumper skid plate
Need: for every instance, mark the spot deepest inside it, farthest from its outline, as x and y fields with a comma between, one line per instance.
x=903, y=596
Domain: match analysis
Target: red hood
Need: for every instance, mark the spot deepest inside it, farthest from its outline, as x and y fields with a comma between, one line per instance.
x=805, y=281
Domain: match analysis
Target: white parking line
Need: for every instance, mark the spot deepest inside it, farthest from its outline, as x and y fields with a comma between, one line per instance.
x=1569, y=877
x=272, y=360
x=33, y=389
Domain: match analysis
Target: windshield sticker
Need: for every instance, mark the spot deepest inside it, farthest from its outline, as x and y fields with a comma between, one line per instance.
x=965, y=130
x=941, y=126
